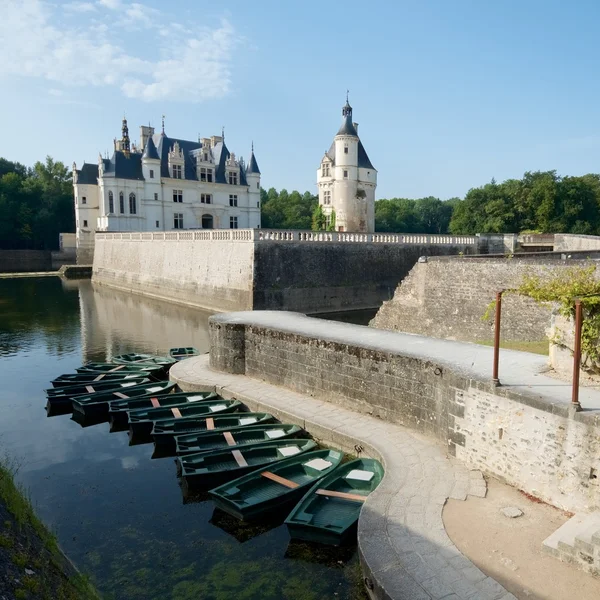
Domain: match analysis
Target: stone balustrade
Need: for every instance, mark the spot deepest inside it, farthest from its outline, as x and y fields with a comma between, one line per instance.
x=291, y=235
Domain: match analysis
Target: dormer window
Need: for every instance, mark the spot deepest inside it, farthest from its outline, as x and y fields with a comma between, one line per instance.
x=325, y=172
x=176, y=161
x=177, y=172
x=233, y=178
x=206, y=174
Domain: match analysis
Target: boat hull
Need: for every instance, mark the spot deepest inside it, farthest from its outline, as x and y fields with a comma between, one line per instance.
x=164, y=436
x=254, y=496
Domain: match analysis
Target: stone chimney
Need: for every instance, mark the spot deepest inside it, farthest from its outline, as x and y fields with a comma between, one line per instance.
x=145, y=132
x=355, y=126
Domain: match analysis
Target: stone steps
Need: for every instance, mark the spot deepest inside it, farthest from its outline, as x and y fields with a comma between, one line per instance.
x=577, y=542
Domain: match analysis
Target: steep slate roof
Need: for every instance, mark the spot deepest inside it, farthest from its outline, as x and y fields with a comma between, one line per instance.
x=150, y=150
x=252, y=165
x=190, y=149
x=121, y=166
x=347, y=127
x=88, y=174
x=363, y=160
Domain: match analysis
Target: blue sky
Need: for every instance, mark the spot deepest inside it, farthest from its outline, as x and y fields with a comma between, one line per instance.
x=448, y=93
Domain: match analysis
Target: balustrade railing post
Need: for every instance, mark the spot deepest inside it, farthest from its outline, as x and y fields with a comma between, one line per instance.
x=577, y=355
x=495, y=379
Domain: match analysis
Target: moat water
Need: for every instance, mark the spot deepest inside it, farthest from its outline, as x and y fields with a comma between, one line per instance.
x=118, y=514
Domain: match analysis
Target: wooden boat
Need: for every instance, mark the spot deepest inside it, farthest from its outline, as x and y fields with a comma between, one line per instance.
x=208, y=469
x=133, y=358
x=118, y=409
x=96, y=405
x=111, y=368
x=92, y=387
x=253, y=495
x=184, y=352
x=329, y=511
x=209, y=441
x=61, y=402
x=142, y=421
x=164, y=432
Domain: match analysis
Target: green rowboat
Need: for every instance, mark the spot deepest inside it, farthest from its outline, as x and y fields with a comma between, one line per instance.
x=95, y=406
x=254, y=495
x=181, y=353
x=118, y=409
x=329, y=512
x=133, y=358
x=209, y=441
x=97, y=368
x=206, y=470
x=164, y=432
x=142, y=421
x=60, y=399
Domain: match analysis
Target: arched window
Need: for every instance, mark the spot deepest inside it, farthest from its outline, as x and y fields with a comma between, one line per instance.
x=207, y=222
x=132, y=206
x=121, y=203
x=111, y=203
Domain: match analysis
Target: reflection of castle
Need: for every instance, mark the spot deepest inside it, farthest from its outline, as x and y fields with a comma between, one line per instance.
x=114, y=322
x=165, y=184
x=347, y=180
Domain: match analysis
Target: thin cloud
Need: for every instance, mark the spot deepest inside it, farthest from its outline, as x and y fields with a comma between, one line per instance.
x=37, y=40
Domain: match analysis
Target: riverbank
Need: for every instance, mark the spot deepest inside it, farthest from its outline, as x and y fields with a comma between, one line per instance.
x=32, y=566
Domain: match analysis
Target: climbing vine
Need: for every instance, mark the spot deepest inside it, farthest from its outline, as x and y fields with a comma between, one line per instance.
x=563, y=288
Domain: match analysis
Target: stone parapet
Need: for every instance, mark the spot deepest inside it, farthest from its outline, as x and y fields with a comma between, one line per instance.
x=522, y=431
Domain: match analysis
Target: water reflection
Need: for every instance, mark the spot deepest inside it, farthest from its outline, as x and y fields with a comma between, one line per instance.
x=118, y=514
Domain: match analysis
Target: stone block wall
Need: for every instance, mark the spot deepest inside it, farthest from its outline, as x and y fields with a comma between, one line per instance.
x=334, y=276
x=564, y=242
x=533, y=444
x=261, y=269
x=25, y=261
x=447, y=298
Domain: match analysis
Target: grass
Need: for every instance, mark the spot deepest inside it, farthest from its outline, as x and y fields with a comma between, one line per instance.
x=541, y=347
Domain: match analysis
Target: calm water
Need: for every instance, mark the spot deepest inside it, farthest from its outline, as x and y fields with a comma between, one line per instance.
x=118, y=514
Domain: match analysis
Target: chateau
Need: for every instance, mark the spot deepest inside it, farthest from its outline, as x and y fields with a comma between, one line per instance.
x=347, y=180
x=164, y=184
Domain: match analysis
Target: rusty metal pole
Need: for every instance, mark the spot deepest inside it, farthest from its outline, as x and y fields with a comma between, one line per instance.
x=577, y=355
x=495, y=379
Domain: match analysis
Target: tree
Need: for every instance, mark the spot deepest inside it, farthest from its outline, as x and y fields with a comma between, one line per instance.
x=318, y=219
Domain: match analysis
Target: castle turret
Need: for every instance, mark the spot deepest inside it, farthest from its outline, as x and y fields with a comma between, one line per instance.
x=253, y=179
x=347, y=180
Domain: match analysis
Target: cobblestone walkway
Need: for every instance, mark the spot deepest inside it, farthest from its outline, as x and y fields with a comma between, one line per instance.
x=405, y=551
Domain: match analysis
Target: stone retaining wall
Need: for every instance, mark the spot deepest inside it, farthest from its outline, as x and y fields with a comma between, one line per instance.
x=533, y=444
x=25, y=261
x=447, y=298
x=263, y=269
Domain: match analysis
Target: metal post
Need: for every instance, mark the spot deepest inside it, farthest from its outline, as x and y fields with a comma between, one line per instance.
x=577, y=355
x=495, y=379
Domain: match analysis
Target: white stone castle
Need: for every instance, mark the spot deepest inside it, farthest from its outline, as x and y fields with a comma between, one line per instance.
x=165, y=184
x=347, y=180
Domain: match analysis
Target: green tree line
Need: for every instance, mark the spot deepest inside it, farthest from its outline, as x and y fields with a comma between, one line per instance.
x=541, y=201
x=36, y=204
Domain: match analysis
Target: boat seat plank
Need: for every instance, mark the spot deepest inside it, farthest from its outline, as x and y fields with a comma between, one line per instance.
x=90, y=389
x=116, y=369
x=282, y=480
x=343, y=495
x=99, y=377
x=229, y=438
x=239, y=458
x=176, y=413
x=120, y=395
x=155, y=402
x=210, y=423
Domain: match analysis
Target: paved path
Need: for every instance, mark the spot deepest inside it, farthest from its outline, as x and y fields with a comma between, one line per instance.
x=519, y=371
x=405, y=551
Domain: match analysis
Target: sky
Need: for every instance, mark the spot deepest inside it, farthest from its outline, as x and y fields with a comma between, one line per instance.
x=448, y=93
